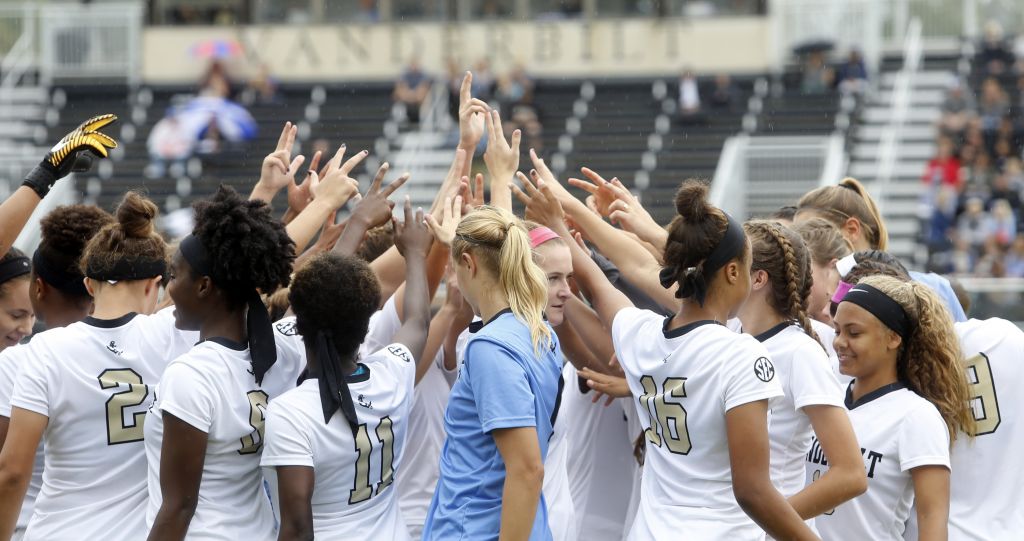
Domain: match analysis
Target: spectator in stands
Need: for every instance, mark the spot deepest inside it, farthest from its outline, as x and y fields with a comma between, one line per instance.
x=853, y=74
x=1015, y=258
x=817, y=75
x=994, y=54
x=975, y=225
x=689, y=99
x=514, y=88
x=168, y=144
x=483, y=80
x=215, y=82
x=723, y=95
x=1004, y=223
x=262, y=88
x=957, y=110
x=1002, y=190
x=453, y=76
x=944, y=168
x=991, y=263
x=411, y=91
x=994, y=105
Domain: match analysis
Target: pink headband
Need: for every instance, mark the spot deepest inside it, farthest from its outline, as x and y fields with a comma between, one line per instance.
x=841, y=290
x=540, y=235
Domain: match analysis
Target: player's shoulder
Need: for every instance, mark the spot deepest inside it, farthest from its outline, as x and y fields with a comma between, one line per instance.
x=286, y=327
x=991, y=328
x=297, y=400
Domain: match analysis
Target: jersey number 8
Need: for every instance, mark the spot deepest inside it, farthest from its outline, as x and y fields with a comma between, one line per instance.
x=134, y=394
x=667, y=419
x=984, y=402
x=257, y=418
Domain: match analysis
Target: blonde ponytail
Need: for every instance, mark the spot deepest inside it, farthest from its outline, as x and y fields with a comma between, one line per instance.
x=502, y=244
x=848, y=199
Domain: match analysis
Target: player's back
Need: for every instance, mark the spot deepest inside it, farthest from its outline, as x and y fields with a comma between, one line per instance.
x=94, y=380
x=354, y=496
x=686, y=379
x=987, y=484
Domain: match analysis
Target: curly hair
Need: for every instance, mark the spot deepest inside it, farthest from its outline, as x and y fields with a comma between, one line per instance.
x=694, y=233
x=875, y=267
x=378, y=240
x=781, y=253
x=823, y=240
x=502, y=244
x=132, y=236
x=64, y=233
x=336, y=294
x=930, y=360
x=848, y=199
x=248, y=249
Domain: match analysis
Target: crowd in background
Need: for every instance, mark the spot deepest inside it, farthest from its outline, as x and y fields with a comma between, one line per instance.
x=973, y=187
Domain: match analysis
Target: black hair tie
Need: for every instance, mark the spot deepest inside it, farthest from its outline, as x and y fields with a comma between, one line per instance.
x=262, y=347
x=334, y=393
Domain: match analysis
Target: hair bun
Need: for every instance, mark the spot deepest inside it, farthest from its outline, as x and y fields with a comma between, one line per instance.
x=135, y=215
x=692, y=201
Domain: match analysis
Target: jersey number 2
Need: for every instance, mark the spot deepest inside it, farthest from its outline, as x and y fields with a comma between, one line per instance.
x=257, y=417
x=134, y=394
x=362, y=490
x=667, y=419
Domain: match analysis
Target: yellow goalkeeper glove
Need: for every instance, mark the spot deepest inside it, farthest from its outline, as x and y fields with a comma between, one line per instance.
x=73, y=153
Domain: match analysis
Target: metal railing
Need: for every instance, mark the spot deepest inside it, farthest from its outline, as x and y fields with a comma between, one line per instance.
x=899, y=107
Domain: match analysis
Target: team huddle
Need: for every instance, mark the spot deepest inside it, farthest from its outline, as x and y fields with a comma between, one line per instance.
x=588, y=374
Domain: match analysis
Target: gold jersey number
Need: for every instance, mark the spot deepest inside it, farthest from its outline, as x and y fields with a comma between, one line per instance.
x=122, y=428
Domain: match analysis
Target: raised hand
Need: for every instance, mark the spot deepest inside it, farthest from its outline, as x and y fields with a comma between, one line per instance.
x=333, y=172
x=602, y=196
x=412, y=237
x=278, y=169
x=444, y=231
x=74, y=152
x=375, y=208
x=472, y=195
x=471, y=124
x=542, y=206
x=501, y=157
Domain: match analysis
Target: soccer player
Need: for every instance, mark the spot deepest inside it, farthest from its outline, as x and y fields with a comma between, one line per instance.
x=335, y=471
x=498, y=420
x=85, y=391
x=204, y=432
x=827, y=246
x=702, y=390
x=16, y=314
x=58, y=296
x=775, y=314
x=906, y=404
x=986, y=484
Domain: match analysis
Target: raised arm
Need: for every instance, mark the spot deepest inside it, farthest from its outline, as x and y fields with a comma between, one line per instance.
x=278, y=169
x=75, y=152
x=413, y=239
x=613, y=201
x=329, y=195
x=502, y=159
x=373, y=210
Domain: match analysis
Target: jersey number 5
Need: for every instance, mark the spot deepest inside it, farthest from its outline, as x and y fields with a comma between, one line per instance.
x=984, y=403
x=134, y=394
x=667, y=419
x=257, y=417
x=362, y=490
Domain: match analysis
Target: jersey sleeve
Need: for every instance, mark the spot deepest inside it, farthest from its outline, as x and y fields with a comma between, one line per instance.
x=625, y=326
x=291, y=351
x=383, y=326
x=923, y=439
x=185, y=394
x=10, y=367
x=287, y=443
x=751, y=375
x=500, y=387
x=33, y=384
x=812, y=382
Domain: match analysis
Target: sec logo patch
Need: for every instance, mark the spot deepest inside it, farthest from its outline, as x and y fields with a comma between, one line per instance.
x=763, y=369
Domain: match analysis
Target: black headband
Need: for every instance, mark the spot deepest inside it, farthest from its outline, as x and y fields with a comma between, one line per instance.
x=62, y=279
x=731, y=246
x=13, y=268
x=128, y=269
x=262, y=347
x=883, y=307
x=334, y=393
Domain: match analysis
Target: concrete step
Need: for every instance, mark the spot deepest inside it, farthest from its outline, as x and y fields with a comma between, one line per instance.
x=920, y=96
x=920, y=79
x=907, y=151
x=914, y=132
x=914, y=114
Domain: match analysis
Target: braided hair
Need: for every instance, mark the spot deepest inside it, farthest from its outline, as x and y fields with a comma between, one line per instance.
x=782, y=254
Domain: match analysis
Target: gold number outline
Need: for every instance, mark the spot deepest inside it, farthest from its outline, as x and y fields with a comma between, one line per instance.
x=658, y=411
x=362, y=490
x=258, y=401
x=980, y=390
x=120, y=432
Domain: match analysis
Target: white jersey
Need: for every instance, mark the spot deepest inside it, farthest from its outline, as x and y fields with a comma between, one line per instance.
x=987, y=484
x=212, y=389
x=94, y=381
x=557, y=494
x=803, y=369
x=601, y=468
x=11, y=361
x=827, y=335
x=634, y=430
x=898, y=431
x=686, y=380
x=354, y=496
